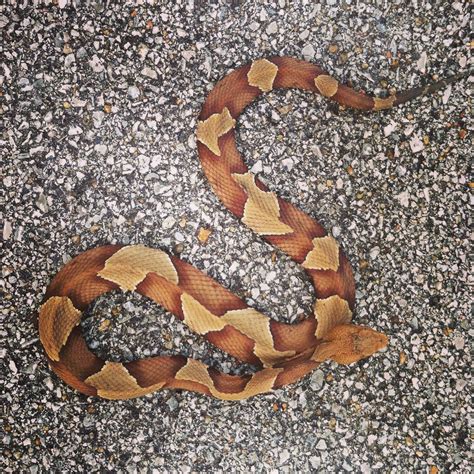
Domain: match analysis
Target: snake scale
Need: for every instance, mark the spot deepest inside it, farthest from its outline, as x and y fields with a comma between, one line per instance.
x=283, y=353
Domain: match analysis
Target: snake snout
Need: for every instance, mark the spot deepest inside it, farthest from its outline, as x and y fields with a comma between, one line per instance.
x=369, y=341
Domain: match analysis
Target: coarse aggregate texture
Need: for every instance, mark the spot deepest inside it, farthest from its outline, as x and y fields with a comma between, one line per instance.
x=98, y=114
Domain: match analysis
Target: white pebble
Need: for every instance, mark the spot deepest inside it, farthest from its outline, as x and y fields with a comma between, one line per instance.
x=447, y=93
x=374, y=252
x=308, y=52
x=284, y=456
x=98, y=117
x=287, y=163
x=317, y=379
x=303, y=35
x=403, y=198
x=322, y=445
x=101, y=149
x=96, y=64
x=49, y=383
x=421, y=63
x=74, y=130
x=133, y=92
x=257, y=167
x=371, y=439
x=12, y=366
x=388, y=129
x=148, y=72
x=69, y=60
x=270, y=276
x=168, y=222
x=254, y=26
x=42, y=203
x=189, y=54
x=7, y=230
x=272, y=28
x=416, y=144
x=459, y=342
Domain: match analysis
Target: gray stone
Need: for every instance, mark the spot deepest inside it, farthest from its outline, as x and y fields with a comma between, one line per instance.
x=317, y=380
x=133, y=92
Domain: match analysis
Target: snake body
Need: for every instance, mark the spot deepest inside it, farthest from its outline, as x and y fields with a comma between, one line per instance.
x=283, y=353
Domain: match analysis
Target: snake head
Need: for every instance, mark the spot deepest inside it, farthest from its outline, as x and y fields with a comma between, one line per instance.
x=347, y=343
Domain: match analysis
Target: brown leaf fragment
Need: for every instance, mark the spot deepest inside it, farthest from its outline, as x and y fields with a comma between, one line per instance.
x=104, y=325
x=203, y=234
x=447, y=331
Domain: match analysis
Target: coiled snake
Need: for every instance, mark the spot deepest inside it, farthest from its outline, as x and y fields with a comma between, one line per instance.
x=283, y=352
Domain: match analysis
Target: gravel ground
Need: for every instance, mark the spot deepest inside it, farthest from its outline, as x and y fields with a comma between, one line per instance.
x=99, y=108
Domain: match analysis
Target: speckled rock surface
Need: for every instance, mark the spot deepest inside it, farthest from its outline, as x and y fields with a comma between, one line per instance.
x=98, y=113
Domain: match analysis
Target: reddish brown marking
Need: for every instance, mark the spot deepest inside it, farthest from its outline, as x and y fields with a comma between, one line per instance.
x=349, y=97
x=296, y=245
x=206, y=290
x=78, y=279
x=233, y=92
x=341, y=283
x=219, y=175
x=163, y=292
x=154, y=370
x=295, y=73
x=297, y=337
x=234, y=343
x=228, y=383
x=77, y=363
x=300, y=221
x=64, y=373
x=179, y=384
x=295, y=371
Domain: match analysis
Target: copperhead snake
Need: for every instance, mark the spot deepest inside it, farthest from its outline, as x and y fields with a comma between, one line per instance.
x=283, y=353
